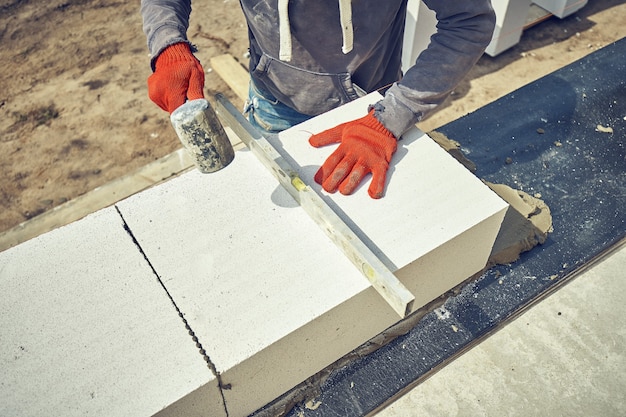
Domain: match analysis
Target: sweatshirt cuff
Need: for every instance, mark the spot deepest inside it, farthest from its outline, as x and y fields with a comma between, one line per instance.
x=163, y=37
x=394, y=115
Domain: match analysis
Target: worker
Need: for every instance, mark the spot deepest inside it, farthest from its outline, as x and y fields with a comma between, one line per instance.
x=310, y=56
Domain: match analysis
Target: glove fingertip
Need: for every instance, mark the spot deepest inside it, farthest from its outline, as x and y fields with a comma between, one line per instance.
x=319, y=176
x=325, y=180
x=326, y=137
x=314, y=141
x=329, y=186
x=322, y=139
x=376, y=189
x=377, y=194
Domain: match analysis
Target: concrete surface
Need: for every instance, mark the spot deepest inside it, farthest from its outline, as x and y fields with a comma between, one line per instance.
x=566, y=356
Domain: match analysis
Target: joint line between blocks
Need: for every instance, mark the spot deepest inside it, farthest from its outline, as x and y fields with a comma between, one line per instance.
x=201, y=349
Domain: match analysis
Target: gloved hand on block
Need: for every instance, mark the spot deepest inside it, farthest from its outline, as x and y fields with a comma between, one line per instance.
x=365, y=146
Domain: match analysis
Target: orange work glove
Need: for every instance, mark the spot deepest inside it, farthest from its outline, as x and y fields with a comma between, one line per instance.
x=365, y=146
x=178, y=77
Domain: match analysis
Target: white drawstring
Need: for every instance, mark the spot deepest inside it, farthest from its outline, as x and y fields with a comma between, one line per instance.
x=345, y=15
x=284, y=28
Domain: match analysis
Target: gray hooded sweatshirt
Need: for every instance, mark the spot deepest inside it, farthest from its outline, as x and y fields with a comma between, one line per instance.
x=310, y=54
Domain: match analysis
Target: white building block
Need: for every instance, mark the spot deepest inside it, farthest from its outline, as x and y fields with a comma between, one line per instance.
x=86, y=329
x=270, y=297
x=561, y=8
x=510, y=20
x=420, y=25
x=511, y=16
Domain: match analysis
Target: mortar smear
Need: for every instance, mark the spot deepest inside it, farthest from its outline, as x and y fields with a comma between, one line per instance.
x=526, y=224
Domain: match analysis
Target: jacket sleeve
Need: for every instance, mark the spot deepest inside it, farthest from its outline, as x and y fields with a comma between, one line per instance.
x=464, y=29
x=165, y=23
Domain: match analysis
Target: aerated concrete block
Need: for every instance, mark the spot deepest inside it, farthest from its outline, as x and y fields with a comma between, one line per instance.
x=86, y=329
x=270, y=297
x=510, y=20
x=420, y=25
x=511, y=17
x=561, y=8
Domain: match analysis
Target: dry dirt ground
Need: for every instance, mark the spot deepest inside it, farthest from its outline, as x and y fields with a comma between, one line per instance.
x=74, y=110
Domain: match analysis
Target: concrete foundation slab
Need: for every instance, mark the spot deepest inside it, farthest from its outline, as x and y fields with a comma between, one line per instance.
x=563, y=357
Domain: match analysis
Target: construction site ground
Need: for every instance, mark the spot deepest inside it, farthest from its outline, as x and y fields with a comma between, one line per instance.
x=74, y=108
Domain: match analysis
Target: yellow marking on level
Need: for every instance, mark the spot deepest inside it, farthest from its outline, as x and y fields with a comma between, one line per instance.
x=298, y=183
x=368, y=271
